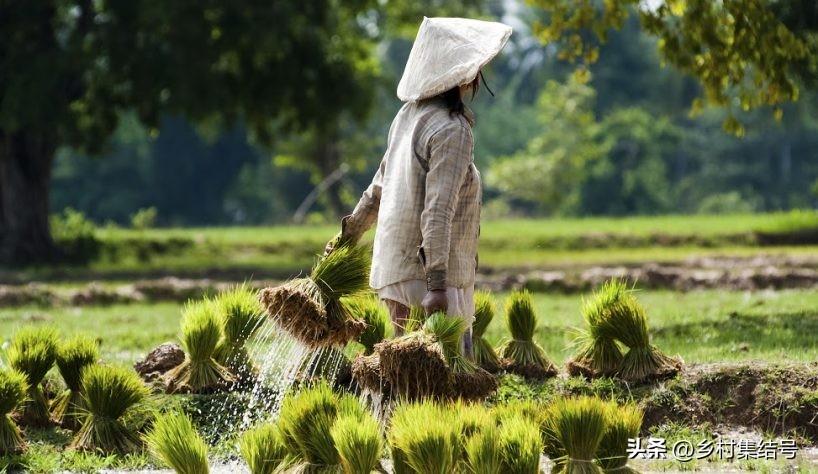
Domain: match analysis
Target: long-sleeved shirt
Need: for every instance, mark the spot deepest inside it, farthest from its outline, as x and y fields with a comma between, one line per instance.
x=426, y=198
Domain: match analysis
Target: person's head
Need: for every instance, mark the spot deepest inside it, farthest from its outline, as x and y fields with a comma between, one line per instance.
x=453, y=98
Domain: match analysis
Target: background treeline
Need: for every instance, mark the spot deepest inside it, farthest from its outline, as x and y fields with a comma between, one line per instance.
x=621, y=143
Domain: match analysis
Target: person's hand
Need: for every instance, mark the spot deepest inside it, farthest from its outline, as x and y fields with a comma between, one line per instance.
x=434, y=301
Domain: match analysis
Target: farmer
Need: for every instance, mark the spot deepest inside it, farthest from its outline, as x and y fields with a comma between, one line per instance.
x=426, y=194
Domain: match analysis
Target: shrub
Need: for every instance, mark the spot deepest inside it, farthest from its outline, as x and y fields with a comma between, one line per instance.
x=75, y=235
x=174, y=441
x=144, y=218
x=73, y=356
x=32, y=352
x=484, y=354
x=109, y=394
x=201, y=334
x=520, y=446
x=424, y=438
x=573, y=429
x=13, y=388
x=358, y=441
x=521, y=355
x=240, y=314
x=310, y=309
x=263, y=449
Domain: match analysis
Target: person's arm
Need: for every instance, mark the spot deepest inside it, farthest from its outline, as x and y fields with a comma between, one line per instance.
x=450, y=152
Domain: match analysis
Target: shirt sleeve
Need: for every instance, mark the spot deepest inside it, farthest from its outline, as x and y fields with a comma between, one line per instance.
x=450, y=155
x=366, y=211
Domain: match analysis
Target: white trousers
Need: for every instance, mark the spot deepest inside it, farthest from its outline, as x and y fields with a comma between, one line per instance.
x=411, y=292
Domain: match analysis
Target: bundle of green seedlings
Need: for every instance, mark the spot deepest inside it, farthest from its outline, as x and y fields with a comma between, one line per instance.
x=201, y=334
x=316, y=429
x=110, y=395
x=310, y=309
x=521, y=354
x=240, y=314
x=424, y=437
x=174, y=441
x=622, y=423
x=572, y=430
x=262, y=448
x=32, y=352
x=73, y=357
x=484, y=354
x=13, y=389
x=366, y=368
x=429, y=363
x=626, y=322
x=598, y=352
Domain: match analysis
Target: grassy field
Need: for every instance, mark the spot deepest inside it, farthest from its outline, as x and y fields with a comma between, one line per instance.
x=703, y=326
x=241, y=252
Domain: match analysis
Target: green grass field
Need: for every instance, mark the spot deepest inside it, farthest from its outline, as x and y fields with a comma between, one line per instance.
x=702, y=326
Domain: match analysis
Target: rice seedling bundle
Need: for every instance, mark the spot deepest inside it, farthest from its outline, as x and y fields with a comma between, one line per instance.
x=73, y=357
x=310, y=309
x=358, y=441
x=521, y=354
x=482, y=452
x=263, y=450
x=484, y=354
x=423, y=438
x=371, y=311
x=366, y=371
x=174, y=441
x=241, y=314
x=627, y=323
x=32, y=352
x=573, y=429
x=623, y=422
x=13, y=389
x=109, y=395
x=520, y=446
x=201, y=334
x=599, y=354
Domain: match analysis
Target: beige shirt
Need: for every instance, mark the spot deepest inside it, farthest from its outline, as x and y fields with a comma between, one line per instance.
x=426, y=198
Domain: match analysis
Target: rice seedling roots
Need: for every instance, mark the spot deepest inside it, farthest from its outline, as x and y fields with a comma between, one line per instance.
x=415, y=367
x=298, y=312
x=366, y=371
x=529, y=371
x=477, y=385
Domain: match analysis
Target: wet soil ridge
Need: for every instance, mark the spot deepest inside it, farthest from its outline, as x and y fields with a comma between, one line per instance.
x=776, y=399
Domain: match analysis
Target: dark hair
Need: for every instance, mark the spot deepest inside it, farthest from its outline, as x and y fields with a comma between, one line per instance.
x=453, y=100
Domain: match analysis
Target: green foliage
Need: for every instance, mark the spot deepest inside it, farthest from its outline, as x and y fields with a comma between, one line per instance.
x=32, y=352
x=13, y=389
x=483, y=452
x=174, y=441
x=520, y=446
x=424, y=438
x=76, y=235
x=718, y=43
x=374, y=314
x=263, y=449
x=110, y=395
x=358, y=441
x=305, y=421
x=344, y=272
x=144, y=218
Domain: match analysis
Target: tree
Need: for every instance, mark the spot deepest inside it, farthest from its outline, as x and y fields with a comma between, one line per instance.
x=72, y=67
x=744, y=53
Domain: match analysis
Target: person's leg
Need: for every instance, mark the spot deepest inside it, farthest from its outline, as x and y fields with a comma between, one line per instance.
x=398, y=313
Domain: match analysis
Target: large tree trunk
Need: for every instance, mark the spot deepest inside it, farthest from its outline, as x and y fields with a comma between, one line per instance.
x=25, y=175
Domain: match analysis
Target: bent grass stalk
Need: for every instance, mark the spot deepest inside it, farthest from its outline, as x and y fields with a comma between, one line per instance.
x=175, y=442
x=32, y=352
x=521, y=354
x=73, y=357
x=484, y=355
x=13, y=389
x=109, y=394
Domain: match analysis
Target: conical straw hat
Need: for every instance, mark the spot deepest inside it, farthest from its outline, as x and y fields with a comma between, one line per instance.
x=449, y=52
